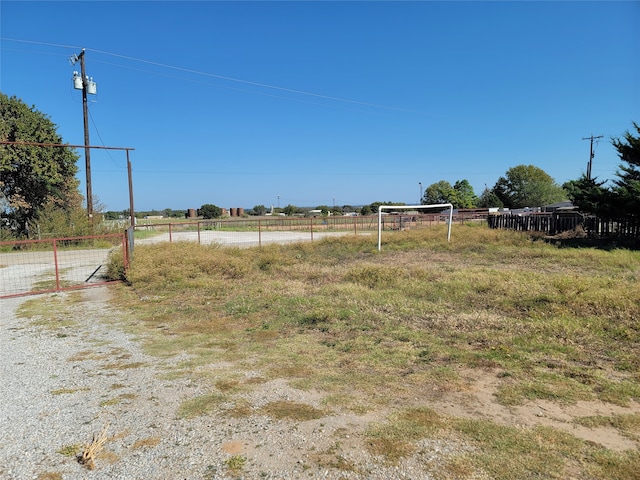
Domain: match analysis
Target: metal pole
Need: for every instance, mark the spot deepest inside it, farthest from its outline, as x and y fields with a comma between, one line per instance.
x=131, y=213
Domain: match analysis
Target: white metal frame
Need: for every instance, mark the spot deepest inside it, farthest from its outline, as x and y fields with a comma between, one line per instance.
x=412, y=207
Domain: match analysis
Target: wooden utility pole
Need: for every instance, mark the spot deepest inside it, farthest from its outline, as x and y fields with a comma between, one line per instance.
x=87, y=150
x=591, y=154
x=88, y=87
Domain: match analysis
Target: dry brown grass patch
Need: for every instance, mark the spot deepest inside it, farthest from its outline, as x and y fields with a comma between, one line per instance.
x=88, y=455
x=123, y=366
x=146, y=442
x=49, y=476
x=285, y=409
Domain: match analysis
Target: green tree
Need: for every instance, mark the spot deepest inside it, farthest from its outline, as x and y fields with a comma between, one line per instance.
x=323, y=209
x=259, y=210
x=33, y=177
x=589, y=195
x=209, y=211
x=290, y=210
x=464, y=196
x=366, y=210
x=439, y=192
x=374, y=206
x=627, y=187
x=489, y=199
x=528, y=186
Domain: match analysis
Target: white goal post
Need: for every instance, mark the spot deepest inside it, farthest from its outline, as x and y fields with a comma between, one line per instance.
x=413, y=207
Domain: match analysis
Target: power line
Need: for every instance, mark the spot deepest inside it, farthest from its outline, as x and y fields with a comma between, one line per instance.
x=222, y=77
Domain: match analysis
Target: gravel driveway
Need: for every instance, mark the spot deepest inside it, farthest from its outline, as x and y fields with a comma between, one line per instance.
x=66, y=379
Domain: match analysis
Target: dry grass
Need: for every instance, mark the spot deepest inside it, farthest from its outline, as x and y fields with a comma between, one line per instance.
x=49, y=476
x=405, y=328
x=146, y=442
x=292, y=410
x=88, y=455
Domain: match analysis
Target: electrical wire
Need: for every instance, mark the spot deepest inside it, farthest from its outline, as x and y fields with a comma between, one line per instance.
x=222, y=77
x=121, y=167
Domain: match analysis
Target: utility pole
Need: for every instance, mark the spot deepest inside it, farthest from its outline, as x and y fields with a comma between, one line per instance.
x=591, y=154
x=87, y=86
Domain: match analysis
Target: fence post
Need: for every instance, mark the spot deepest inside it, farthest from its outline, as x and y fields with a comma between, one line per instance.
x=129, y=233
x=55, y=262
x=259, y=233
x=311, y=227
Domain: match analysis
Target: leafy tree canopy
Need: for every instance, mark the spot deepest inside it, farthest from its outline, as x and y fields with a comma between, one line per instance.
x=290, y=210
x=460, y=195
x=209, y=211
x=373, y=208
x=259, y=210
x=324, y=209
x=366, y=210
x=489, y=199
x=464, y=196
x=528, y=186
x=439, y=192
x=33, y=177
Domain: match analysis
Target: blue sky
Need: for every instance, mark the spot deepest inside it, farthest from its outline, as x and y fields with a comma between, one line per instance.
x=310, y=103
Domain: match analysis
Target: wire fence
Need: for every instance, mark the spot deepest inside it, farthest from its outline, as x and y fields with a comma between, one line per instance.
x=56, y=264
x=52, y=265
x=257, y=232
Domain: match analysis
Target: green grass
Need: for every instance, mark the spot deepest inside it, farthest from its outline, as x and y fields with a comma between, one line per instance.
x=374, y=331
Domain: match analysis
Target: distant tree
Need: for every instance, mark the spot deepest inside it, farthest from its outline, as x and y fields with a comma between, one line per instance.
x=209, y=211
x=627, y=187
x=290, y=210
x=464, y=196
x=33, y=177
x=528, y=186
x=374, y=206
x=259, y=210
x=589, y=195
x=366, y=210
x=439, y=192
x=488, y=199
x=323, y=209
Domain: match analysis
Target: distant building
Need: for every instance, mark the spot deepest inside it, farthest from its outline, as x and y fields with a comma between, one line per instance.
x=560, y=206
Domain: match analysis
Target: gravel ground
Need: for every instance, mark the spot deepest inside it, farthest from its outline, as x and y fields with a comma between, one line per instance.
x=63, y=384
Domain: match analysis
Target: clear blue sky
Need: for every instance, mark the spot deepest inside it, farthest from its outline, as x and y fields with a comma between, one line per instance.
x=237, y=103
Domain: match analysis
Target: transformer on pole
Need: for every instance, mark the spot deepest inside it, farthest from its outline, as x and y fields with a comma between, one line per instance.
x=88, y=86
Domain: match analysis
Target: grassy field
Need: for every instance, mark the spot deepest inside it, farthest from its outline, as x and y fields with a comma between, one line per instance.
x=408, y=335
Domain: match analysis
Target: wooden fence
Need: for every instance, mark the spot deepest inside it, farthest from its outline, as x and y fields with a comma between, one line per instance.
x=554, y=223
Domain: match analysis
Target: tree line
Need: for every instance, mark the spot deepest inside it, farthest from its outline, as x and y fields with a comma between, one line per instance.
x=38, y=185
